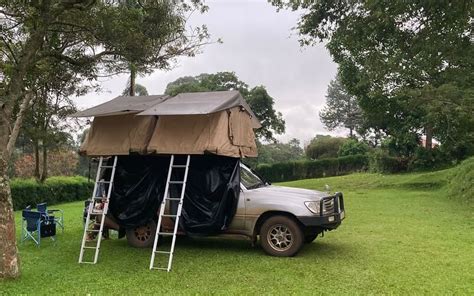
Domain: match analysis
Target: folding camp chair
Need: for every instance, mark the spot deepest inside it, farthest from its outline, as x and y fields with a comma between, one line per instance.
x=36, y=225
x=42, y=208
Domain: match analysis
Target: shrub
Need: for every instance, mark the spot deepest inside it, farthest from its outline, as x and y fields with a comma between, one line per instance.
x=381, y=162
x=54, y=190
x=294, y=170
x=428, y=159
x=353, y=147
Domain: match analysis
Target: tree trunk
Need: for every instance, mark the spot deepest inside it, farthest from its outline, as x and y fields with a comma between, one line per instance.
x=429, y=137
x=133, y=74
x=9, y=265
x=37, y=160
x=44, y=174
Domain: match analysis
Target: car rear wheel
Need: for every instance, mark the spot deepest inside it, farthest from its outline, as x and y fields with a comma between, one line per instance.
x=142, y=236
x=281, y=236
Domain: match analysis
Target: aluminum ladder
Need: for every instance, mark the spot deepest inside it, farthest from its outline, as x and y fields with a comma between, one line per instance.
x=168, y=198
x=98, y=207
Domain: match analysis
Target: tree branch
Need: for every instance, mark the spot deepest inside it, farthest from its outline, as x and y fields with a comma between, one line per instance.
x=19, y=120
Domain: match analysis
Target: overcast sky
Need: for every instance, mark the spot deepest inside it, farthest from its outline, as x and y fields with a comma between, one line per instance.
x=260, y=46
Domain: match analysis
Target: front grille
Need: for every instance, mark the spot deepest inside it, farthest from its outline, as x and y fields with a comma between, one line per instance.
x=328, y=206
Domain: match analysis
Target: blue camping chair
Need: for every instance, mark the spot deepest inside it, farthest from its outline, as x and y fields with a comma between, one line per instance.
x=42, y=208
x=36, y=225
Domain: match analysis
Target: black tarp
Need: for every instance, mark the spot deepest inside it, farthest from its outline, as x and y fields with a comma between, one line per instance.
x=212, y=191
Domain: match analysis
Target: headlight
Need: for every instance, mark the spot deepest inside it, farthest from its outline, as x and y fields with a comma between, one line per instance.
x=313, y=206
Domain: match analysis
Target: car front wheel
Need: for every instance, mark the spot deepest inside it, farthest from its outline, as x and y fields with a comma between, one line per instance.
x=281, y=236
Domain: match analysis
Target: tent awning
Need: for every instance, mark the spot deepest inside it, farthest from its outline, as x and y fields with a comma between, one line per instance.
x=200, y=103
x=122, y=105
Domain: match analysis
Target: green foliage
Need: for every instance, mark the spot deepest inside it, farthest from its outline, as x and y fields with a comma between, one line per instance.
x=54, y=190
x=381, y=162
x=261, y=103
x=276, y=152
x=353, y=147
x=409, y=63
x=323, y=146
x=461, y=181
x=295, y=170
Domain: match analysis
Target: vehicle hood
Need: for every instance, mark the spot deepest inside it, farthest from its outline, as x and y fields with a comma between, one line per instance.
x=290, y=193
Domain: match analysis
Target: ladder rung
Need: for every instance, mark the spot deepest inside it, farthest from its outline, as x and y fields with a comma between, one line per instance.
x=92, y=230
x=165, y=233
x=104, y=182
x=176, y=182
x=88, y=262
x=86, y=247
x=169, y=215
x=96, y=213
x=178, y=166
x=163, y=252
x=160, y=268
x=173, y=198
x=99, y=197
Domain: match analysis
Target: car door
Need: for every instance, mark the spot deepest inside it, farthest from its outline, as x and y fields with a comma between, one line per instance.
x=238, y=222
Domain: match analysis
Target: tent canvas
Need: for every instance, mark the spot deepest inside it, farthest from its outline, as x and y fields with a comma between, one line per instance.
x=220, y=123
x=122, y=105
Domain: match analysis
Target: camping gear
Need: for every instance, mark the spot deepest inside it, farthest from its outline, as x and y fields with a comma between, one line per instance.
x=36, y=225
x=97, y=210
x=146, y=134
x=168, y=197
x=219, y=123
x=43, y=208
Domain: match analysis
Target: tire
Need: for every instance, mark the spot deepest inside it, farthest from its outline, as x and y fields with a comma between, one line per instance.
x=142, y=236
x=310, y=238
x=281, y=236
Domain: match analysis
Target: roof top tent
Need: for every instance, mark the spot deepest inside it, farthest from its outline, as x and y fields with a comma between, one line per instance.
x=216, y=128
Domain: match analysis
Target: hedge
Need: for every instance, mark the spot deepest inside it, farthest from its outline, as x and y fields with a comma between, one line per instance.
x=295, y=170
x=54, y=190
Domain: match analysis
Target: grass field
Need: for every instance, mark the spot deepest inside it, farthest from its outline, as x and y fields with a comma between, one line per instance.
x=402, y=235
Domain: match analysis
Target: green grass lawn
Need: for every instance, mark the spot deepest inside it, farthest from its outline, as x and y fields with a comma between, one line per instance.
x=402, y=235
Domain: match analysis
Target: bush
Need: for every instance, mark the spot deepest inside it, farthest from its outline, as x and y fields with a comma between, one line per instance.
x=353, y=147
x=461, y=181
x=429, y=159
x=54, y=190
x=295, y=170
x=381, y=162
x=324, y=147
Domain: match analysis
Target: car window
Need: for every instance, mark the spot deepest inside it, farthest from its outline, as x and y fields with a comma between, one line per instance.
x=249, y=179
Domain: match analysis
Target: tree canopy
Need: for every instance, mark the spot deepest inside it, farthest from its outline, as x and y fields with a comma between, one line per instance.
x=261, y=103
x=409, y=63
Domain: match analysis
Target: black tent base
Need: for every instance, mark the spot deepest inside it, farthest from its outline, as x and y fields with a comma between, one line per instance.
x=210, y=202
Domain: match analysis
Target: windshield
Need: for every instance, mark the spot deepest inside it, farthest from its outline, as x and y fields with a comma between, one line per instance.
x=249, y=179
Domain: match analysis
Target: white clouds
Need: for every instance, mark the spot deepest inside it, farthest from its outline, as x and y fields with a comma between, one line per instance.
x=261, y=48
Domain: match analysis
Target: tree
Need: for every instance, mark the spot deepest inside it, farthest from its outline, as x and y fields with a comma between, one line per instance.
x=90, y=37
x=323, y=146
x=341, y=110
x=280, y=152
x=261, y=103
x=137, y=89
x=400, y=58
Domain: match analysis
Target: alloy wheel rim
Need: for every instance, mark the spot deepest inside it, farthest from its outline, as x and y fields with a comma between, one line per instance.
x=280, y=238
